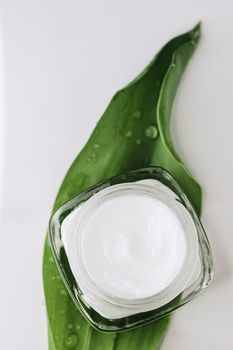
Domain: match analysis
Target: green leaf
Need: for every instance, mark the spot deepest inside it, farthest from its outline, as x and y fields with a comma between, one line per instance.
x=125, y=138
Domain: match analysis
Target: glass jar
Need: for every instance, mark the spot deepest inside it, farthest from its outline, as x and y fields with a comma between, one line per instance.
x=104, y=310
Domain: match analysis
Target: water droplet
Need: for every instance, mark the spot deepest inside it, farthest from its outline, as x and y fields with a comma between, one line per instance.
x=96, y=145
x=70, y=326
x=138, y=141
x=129, y=133
x=59, y=278
x=51, y=259
x=78, y=327
x=137, y=114
x=63, y=292
x=53, y=278
x=88, y=159
x=173, y=65
x=151, y=132
x=71, y=341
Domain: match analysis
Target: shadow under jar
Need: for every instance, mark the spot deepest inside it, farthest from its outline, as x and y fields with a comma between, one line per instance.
x=131, y=249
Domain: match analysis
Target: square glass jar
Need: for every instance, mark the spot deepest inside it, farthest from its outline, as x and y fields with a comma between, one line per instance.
x=199, y=281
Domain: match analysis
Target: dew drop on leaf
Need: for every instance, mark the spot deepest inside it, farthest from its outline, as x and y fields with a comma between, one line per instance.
x=51, y=259
x=71, y=341
x=151, y=132
x=96, y=145
x=129, y=133
x=138, y=141
x=137, y=114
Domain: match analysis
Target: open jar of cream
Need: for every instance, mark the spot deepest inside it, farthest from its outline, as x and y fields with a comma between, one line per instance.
x=131, y=249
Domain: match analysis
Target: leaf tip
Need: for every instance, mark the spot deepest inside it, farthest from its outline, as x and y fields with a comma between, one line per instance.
x=196, y=32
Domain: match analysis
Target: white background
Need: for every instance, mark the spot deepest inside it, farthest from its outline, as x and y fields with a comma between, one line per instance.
x=61, y=62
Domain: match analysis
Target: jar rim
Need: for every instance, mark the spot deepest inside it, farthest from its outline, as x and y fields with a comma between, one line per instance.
x=167, y=197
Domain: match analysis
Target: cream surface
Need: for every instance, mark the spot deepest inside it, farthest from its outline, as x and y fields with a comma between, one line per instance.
x=133, y=246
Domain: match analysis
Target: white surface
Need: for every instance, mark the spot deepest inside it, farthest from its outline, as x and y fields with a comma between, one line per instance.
x=138, y=253
x=63, y=62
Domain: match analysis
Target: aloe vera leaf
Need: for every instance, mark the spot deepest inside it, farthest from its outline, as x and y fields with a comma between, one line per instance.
x=164, y=107
x=121, y=142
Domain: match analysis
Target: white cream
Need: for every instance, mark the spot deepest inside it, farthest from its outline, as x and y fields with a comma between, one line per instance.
x=129, y=244
x=133, y=246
